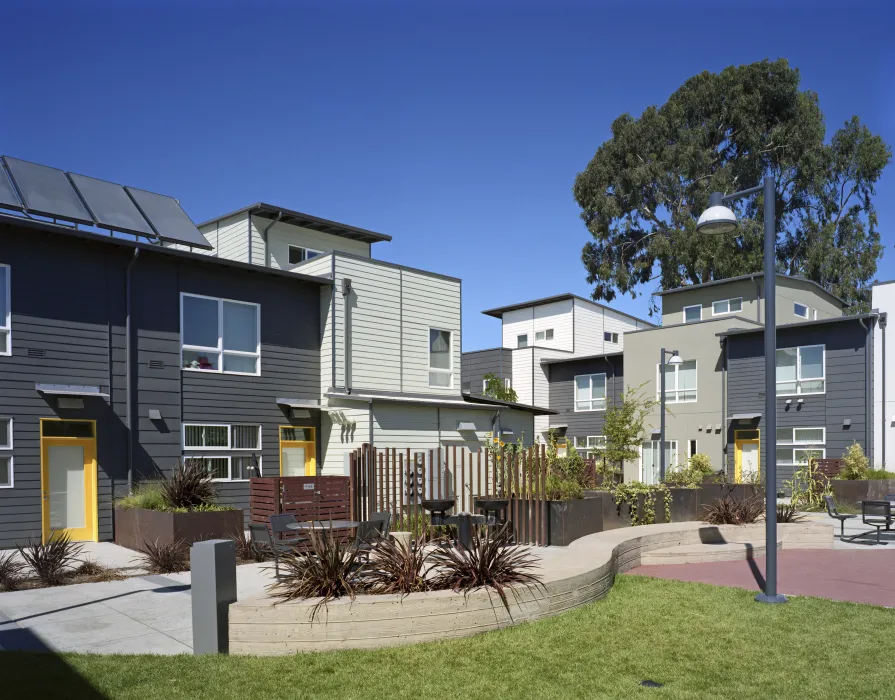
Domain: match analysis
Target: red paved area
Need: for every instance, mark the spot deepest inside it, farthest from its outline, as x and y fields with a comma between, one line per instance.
x=859, y=577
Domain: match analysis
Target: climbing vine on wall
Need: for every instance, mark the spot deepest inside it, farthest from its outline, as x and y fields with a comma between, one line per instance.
x=629, y=493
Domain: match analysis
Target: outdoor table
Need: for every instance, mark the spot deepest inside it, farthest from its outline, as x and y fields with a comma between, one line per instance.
x=323, y=525
x=464, y=522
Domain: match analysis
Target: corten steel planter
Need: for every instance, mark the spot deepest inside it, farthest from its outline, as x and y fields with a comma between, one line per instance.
x=134, y=527
x=569, y=520
x=850, y=492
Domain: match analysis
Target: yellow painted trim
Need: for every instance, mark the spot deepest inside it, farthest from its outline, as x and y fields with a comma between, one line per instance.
x=90, y=531
x=309, y=445
x=738, y=452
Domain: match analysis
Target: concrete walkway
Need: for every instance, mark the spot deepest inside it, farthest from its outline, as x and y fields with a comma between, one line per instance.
x=140, y=615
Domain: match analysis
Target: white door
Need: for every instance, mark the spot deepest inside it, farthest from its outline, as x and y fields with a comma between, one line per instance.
x=293, y=461
x=749, y=461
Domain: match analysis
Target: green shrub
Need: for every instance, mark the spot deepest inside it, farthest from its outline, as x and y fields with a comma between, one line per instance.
x=147, y=495
x=876, y=474
x=560, y=489
x=855, y=464
x=698, y=469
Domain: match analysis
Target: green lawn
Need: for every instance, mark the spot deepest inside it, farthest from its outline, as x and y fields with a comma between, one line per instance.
x=701, y=641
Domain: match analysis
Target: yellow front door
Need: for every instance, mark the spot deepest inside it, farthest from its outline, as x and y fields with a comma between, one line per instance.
x=298, y=451
x=747, y=451
x=68, y=479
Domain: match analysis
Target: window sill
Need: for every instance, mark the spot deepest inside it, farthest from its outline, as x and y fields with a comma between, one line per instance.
x=793, y=396
x=589, y=410
x=218, y=371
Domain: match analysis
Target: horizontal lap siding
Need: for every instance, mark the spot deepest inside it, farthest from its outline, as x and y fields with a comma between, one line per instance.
x=845, y=396
x=562, y=394
x=78, y=322
x=475, y=365
x=77, y=339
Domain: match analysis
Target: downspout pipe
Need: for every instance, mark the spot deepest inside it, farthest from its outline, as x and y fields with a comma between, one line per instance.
x=724, y=428
x=883, y=321
x=266, y=242
x=128, y=371
x=758, y=299
x=868, y=390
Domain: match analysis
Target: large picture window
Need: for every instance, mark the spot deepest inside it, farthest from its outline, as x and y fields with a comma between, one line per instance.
x=5, y=311
x=6, y=477
x=220, y=335
x=440, y=359
x=801, y=370
x=680, y=382
x=590, y=392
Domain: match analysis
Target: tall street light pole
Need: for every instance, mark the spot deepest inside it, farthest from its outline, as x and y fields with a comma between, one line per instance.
x=718, y=219
x=674, y=360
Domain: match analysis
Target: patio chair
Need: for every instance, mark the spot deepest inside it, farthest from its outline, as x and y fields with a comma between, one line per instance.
x=263, y=542
x=834, y=513
x=877, y=514
x=368, y=532
x=385, y=521
x=279, y=527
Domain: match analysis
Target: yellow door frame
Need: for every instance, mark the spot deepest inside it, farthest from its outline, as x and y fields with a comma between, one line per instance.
x=738, y=452
x=310, y=447
x=90, y=531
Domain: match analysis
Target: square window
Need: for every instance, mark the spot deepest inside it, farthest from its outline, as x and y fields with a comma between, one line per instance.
x=800, y=310
x=692, y=313
x=610, y=337
x=590, y=392
x=220, y=335
x=522, y=341
x=801, y=370
x=540, y=335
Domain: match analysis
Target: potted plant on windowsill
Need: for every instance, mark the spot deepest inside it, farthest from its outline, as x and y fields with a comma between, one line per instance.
x=180, y=508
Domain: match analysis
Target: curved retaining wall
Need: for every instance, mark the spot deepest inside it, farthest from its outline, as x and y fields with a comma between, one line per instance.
x=573, y=576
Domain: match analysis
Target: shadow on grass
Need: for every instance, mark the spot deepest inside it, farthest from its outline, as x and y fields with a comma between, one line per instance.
x=44, y=671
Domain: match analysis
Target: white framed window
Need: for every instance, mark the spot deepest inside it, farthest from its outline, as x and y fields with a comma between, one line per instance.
x=220, y=335
x=229, y=467
x=441, y=358
x=693, y=313
x=727, y=306
x=801, y=370
x=800, y=310
x=680, y=382
x=5, y=310
x=543, y=335
x=610, y=337
x=298, y=254
x=6, y=474
x=796, y=446
x=221, y=436
x=595, y=445
x=590, y=392
x=692, y=448
x=522, y=341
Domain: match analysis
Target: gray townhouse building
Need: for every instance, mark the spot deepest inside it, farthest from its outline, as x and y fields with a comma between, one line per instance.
x=265, y=342
x=714, y=398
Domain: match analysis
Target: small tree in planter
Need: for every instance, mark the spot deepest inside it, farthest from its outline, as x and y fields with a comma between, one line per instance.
x=624, y=427
x=855, y=464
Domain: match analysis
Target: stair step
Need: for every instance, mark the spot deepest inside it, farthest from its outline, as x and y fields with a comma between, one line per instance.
x=701, y=553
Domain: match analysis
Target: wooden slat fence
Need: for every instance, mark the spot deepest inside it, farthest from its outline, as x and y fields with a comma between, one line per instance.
x=306, y=497
x=397, y=480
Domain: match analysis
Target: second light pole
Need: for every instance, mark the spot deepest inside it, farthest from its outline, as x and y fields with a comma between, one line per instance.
x=675, y=359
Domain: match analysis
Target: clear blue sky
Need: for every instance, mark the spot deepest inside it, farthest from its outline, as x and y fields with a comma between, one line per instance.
x=456, y=127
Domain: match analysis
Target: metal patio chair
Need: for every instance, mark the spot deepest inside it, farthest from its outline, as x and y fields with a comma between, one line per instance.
x=834, y=513
x=877, y=514
x=263, y=542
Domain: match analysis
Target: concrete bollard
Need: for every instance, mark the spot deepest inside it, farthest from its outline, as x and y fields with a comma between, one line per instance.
x=213, y=589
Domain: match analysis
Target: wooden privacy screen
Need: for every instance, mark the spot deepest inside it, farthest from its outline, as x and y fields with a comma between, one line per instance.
x=397, y=480
x=306, y=497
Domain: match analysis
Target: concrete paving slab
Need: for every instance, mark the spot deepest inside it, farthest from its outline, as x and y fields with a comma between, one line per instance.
x=152, y=643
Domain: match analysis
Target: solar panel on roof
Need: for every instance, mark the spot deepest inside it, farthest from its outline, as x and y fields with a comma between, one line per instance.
x=168, y=219
x=46, y=191
x=111, y=206
x=8, y=198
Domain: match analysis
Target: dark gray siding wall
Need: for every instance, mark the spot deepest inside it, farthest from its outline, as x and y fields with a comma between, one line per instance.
x=67, y=307
x=68, y=320
x=846, y=394
x=476, y=364
x=562, y=394
x=290, y=362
